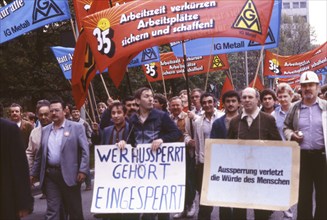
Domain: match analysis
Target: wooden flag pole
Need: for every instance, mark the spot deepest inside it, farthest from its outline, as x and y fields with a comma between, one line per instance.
x=258, y=66
x=187, y=86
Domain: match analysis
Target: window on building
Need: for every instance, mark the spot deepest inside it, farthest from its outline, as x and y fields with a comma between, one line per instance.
x=296, y=5
x=286, y=5
x=303, y=4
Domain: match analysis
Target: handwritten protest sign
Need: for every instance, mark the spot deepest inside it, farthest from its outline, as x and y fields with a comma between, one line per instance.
x=139, y=180
x=251, y=174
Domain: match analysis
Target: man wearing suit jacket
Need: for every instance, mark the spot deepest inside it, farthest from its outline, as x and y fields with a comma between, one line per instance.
x=62, y=164
x=25, y=126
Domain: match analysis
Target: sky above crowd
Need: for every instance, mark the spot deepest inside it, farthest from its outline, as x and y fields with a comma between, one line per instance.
x=318, y=19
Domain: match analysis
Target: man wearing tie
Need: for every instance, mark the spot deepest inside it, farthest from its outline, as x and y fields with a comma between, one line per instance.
x=62, y=163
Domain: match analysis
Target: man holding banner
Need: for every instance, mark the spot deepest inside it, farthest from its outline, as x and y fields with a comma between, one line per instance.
x=252, y=124
x=153, y=126
x=306, y=123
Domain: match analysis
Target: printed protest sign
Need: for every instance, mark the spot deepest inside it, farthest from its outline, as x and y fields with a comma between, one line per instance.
x=64, y=56
x=117, y=34
x=22, y=16
x=251, y=174
x=139, y=180
x=276, y=66
x=171, y=67
x=225, y=45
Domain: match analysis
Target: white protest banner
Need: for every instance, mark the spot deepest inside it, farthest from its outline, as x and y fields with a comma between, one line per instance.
x=251, y=174
x=139, y=180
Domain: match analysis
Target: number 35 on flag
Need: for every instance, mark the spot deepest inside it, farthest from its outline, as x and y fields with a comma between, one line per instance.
x=104, y=33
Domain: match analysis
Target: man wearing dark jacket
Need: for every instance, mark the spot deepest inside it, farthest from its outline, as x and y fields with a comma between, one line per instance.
x=16, y=197
x=252, y=124
x=150, y=125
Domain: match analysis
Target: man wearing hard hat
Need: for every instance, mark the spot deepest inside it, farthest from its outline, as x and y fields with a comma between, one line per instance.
x=306, y=123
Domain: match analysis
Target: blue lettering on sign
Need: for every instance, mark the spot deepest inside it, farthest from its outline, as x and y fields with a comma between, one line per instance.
x=140, y=198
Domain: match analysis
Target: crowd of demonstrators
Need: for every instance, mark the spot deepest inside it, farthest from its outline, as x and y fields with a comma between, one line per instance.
x=145, y=118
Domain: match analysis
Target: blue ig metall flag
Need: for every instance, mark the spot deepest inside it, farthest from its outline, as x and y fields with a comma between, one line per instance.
x=64, y=56
x=223, y=45
x=148, y=55
x=22, y=16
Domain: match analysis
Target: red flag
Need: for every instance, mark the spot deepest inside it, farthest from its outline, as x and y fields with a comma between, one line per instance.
x=83, y=70
x=226, y=87
x=116, y=33
x=84, y=66
x=257, y=84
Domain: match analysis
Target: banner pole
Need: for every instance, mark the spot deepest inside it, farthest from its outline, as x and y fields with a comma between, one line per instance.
x=258, y=66
x=209, y=63
x=105, y=86
x=246, y=69
x=230, y=77
x=128, y=82
x=163, y=82
x=187, y=86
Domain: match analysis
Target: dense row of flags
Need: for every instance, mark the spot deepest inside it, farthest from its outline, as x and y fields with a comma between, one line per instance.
x=116, y=35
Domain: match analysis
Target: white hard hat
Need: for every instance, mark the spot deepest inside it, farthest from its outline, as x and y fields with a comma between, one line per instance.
x=309, y=77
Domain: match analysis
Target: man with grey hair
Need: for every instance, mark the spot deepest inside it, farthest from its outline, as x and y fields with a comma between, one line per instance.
x=252, y=124
x=306, y=123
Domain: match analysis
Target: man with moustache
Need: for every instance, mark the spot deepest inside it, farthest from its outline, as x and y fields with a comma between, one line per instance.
x=25, y=127
x=202, y=130
x=306, y=123
x=62, y=163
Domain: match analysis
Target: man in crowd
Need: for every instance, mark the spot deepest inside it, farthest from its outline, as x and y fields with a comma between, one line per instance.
x=306, y=123
x=111, y=135
x=76, y=116
x=16, y=198
x=268, y=100
x=43, y=115
x=160, y=102
x=130, y=106
x=25, y=126
x=284, y=94
x=231, y=101
x=151, y=126
x=252, y=124
x=202, y=131
x=182, y=121
x=62, y=163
